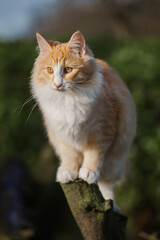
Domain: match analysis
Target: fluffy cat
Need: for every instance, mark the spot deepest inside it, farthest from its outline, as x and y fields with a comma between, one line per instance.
x=88, y=112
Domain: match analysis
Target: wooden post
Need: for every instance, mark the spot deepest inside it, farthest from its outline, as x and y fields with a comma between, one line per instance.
x=94, y=216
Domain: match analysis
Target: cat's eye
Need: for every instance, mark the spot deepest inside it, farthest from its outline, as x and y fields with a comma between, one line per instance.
x=68, y=70
x=49, y=70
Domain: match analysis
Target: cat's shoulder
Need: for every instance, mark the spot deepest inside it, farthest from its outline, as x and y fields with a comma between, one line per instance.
x=108, y=72
x=103, y=65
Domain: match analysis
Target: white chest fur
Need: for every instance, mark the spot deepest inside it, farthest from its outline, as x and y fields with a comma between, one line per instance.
x=66, y=113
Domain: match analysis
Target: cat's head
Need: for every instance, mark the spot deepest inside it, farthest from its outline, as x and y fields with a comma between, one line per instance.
x=65, y=65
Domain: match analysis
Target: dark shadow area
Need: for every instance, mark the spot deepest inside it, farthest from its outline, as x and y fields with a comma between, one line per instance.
x=30, y=210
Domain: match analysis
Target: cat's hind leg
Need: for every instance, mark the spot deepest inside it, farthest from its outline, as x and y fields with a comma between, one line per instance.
x=106, y=189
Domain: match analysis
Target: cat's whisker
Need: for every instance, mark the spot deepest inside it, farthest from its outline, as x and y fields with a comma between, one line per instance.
x=34, y=106
x=75, y=89
x=22, y=106
x=82, y=83
x=80, y=89
x=71, y=93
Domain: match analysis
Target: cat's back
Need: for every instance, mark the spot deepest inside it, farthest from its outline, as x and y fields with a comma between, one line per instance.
x=110, y=75
x=116, y=91
x=115, y=86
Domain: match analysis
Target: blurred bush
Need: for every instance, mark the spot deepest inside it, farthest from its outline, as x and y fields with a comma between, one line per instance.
x=20, y=134
x=137, y=61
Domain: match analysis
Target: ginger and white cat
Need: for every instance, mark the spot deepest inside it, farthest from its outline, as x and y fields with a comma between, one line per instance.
x=88, y=112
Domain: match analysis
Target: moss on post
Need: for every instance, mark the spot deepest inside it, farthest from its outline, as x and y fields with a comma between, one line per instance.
x=94, y=216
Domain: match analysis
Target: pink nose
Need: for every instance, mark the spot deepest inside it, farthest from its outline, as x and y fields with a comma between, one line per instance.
x=58, y=85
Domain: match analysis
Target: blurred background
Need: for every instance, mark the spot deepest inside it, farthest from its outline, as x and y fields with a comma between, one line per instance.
x=126, y=34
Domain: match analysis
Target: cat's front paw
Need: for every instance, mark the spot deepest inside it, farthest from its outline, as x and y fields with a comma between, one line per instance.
x=65, y=176
x=89, y=175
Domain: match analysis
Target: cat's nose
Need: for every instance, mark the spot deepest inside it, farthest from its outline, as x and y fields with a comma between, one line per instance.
x=58, y=85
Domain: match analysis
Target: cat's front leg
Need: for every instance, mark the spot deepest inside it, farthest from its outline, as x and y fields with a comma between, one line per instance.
x=70, y=162
x=70, y=158
x=90, y=170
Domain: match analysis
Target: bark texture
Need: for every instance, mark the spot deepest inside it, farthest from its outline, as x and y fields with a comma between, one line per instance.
x=94, y=216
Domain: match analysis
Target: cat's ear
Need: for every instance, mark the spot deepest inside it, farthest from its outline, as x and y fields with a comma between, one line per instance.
x=77, y=44
x=43, y=44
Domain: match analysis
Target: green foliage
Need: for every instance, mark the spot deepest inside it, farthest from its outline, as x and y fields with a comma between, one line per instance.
x=18, y=136
x=137, y=61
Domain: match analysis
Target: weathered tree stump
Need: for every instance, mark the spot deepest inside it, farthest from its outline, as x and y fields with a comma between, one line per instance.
x=94, y=216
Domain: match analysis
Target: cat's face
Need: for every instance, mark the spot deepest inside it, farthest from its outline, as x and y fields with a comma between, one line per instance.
x=64, y=66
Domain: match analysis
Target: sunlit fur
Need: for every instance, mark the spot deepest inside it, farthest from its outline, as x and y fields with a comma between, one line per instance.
x=91, y=119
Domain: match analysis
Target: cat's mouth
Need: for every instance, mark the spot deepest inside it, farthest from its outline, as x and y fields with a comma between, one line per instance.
x=61, y=89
